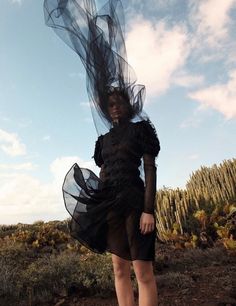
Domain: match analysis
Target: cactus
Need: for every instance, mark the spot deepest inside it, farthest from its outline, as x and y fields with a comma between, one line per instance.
x=209, y=197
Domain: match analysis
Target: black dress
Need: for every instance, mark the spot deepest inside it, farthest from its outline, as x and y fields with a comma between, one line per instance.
x=106, y=213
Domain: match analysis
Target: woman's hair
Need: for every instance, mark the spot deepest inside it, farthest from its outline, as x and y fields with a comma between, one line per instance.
x=118, y=92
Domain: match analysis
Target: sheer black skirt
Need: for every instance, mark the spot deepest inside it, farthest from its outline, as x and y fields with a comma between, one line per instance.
x=106, y=217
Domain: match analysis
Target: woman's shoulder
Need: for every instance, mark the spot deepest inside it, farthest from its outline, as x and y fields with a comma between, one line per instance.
x=99, y=143
x=99, y=139
x=147, y=137
x=144, y=125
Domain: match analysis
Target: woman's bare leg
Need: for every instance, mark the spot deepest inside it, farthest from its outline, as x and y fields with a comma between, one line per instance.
x=123, y=285
x=146, y=282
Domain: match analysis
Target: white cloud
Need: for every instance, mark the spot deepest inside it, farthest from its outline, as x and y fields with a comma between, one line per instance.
x=11, y=144
x=196, y=118
x=149, y=6
x=212, y=20
x=156, y=52
x=61, y=165
x=24, y=166
x=23, y=198
x=185, y=79
x=221, y=97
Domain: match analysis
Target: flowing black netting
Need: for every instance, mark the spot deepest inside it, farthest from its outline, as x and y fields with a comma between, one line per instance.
x=106, y=211
x=97, y=37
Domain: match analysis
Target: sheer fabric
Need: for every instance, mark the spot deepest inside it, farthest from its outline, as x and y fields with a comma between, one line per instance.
x=97, y=36
x=106, y=211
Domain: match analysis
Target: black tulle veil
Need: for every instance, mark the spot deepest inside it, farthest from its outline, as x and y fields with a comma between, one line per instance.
x=106, y=213
x=97, y=36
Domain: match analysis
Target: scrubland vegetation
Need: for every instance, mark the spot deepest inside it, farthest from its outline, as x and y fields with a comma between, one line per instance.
x=40, y=264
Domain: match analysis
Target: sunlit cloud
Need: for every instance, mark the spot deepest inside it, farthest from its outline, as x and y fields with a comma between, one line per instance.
x=159, y=53
x=150, y=5
x=212, y=21
x=24, y=198
x=23, y=166
x=220, y=97
x=11, y=144
x=188, y=80
x=212, y=28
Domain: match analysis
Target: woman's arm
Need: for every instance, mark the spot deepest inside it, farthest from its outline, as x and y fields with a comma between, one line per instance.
x=147, y=221
x=102, y=173
x=150, y=183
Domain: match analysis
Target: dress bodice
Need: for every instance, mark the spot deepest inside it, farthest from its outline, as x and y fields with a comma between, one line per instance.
x=121, y=149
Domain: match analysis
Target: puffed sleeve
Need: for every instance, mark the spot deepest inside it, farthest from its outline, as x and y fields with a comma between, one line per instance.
x=148, y=140
x=98, y=151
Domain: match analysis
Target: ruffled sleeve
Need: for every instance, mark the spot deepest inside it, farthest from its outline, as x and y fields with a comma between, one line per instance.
x=98, y=151
x=148, y=140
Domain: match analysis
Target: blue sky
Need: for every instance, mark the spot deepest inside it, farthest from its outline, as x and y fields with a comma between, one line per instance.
x=184, y=52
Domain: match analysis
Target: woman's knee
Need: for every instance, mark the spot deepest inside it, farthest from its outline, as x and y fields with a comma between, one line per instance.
x=121, y=267
x=143, y=272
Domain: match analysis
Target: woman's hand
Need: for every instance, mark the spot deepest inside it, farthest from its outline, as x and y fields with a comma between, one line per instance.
x=147, y=223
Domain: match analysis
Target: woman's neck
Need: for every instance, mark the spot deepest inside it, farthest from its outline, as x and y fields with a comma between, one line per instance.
x=119, y=122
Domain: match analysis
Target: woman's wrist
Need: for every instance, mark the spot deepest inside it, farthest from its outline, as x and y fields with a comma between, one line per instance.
x=150, y=212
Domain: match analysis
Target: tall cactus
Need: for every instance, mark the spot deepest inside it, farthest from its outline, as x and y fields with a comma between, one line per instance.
x=208, y=188
x=216, y=184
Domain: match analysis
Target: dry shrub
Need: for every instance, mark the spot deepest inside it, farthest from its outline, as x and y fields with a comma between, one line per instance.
x=25, y=272
x=174, y=280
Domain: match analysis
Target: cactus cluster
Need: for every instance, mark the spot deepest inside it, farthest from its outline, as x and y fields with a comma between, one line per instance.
x=216, y=185
x=193, y=216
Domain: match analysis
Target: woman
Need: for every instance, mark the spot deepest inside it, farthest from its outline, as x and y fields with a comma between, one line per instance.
x=113, y=213
x=119, y=214
x=143, y=223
